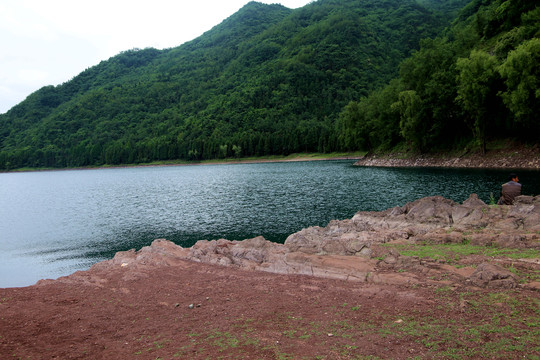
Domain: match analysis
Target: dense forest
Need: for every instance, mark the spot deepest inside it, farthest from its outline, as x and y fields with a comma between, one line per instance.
x=478, y=80
x=335, y=75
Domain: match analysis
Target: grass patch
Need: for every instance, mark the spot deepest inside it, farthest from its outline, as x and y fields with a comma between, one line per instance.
x=495, y=325
x=493, y=335
x=454, y=252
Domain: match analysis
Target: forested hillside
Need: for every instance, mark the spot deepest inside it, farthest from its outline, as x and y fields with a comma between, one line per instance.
x=478, y=81
x=268, y=80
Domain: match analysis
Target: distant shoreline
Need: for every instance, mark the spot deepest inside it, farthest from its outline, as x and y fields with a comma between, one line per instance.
x=518, y=158
x=289, y=158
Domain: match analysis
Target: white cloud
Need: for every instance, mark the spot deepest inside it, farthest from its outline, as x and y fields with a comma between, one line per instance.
x=49, y=42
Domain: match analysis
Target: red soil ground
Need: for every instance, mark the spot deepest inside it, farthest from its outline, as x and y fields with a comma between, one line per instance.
x=144, y=312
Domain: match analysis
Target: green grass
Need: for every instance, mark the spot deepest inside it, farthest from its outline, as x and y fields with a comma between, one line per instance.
x=454, y=252
x=482, y=331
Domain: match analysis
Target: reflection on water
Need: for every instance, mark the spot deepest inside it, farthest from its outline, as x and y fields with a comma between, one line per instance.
x=53, y=223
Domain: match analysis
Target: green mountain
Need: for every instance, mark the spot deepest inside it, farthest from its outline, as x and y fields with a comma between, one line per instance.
x=479, y=81
x=267, y=80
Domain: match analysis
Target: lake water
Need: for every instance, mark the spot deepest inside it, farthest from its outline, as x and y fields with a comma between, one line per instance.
x=53, y=223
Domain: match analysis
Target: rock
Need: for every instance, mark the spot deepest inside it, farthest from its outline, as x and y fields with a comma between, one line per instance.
x=160, y=252
x=525, y=213
x=473, y=201
x=523, y=199
x=392, y=279
x=390, y=259
x=534, y=285
x=434, y=209
x=493, y=276
x=327, y=266
x=343, y=249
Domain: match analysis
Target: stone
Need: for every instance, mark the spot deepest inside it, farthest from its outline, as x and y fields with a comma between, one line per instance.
x=344, y=248
x=493, y=276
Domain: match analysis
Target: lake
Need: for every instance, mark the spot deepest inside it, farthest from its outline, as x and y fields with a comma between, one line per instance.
x=53, y=223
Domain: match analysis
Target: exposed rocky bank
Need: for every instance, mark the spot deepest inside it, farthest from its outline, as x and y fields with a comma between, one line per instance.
x=336, y=292
x=509, y=158
x=353, y=249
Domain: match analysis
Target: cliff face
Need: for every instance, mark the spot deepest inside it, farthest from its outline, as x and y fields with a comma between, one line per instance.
x=360, y=248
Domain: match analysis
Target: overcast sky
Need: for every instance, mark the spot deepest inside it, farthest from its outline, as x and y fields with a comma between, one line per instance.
x=48, y=42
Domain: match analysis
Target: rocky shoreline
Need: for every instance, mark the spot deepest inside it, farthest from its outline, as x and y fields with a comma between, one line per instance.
x=510, y=158
x=354, y=249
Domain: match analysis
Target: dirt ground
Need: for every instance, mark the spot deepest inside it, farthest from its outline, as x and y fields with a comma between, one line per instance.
x=190, y=310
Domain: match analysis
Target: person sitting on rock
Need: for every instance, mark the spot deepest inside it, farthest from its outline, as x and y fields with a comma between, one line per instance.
x=510, y=190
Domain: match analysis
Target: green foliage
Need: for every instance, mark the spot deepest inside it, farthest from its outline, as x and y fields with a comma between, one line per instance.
x=275, y=81
x=522, y=78
x=267, y=80
x=453, y=252
x=478, y=80
x=409, y=105
x=476, y=90
x=352, y=128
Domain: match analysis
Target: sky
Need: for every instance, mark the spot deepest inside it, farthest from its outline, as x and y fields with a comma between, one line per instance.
x=49, y=42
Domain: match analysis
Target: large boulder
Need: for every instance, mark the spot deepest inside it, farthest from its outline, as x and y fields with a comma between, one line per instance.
x=431, y=210
x=250, y=253
x=525, y=213
x=338, y=238
x=493, y=276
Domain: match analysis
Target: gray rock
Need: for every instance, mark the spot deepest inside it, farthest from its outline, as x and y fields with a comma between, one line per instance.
x=493, y=276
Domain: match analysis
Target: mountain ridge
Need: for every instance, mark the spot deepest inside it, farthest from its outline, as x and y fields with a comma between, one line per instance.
x=267, y=80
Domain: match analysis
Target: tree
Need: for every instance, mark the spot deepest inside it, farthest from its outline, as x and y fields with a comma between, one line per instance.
x=409, y=106
x=475, y=86
x=352, y=128
x=430, y=72
x=237, y=151
x=521, y=74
